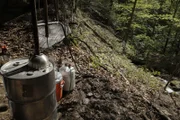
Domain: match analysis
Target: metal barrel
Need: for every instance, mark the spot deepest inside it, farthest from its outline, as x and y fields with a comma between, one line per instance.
x=31, y=92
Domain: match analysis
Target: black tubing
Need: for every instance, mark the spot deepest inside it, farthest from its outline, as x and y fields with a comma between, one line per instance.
x=35, y=28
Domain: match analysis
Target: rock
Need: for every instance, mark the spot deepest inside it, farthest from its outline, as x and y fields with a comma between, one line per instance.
x=15, y=48
x=3, y=107
x=69, y=109
x=97, y=95
x=76, y=116
x=86, y=101
x=90, y=94
x=107, y=96
x=166, y=112
x=82, y=94
x=82, y=109
x=59, y=115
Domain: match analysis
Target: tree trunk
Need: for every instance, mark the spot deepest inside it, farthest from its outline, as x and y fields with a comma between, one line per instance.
x=170, y=27
x=73, y=9
x=63, y=10
x=177, y=48
x=175, y=39
x=129, y=27
x=111, y=4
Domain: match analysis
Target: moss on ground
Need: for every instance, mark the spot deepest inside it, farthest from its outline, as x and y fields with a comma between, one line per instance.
x=108, y=48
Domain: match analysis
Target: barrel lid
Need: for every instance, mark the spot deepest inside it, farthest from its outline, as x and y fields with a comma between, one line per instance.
x=19, y=69
x=14, y=65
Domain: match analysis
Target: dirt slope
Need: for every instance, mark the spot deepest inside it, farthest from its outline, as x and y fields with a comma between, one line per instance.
x=109, y=87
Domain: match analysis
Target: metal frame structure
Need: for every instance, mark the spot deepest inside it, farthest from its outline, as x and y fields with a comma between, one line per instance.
x=46, y=23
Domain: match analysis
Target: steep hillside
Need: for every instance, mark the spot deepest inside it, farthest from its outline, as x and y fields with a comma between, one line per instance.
x=108, y=86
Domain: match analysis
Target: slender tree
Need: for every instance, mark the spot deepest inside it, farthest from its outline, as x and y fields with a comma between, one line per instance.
x=170, y=27
x=129, y=27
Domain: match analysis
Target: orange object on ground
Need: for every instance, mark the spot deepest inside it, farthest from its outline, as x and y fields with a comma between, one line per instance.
x=4, y=49
x=59, y=89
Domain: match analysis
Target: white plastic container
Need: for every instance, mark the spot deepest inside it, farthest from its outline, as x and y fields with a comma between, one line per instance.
x=68, y=73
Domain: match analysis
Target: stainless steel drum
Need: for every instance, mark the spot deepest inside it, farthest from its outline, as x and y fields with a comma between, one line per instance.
x=30, y=87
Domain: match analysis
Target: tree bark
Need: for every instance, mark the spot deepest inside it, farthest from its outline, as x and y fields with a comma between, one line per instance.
x=170, y=27
x=111, y=4
x=177, y=48
x=175, y=39
x=129, y=27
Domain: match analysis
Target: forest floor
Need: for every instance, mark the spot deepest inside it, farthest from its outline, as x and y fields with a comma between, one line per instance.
x=108, y=85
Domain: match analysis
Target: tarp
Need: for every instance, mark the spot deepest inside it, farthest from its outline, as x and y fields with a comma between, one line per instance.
x=56, y=34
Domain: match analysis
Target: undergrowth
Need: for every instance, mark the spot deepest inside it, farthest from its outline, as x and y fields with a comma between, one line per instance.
x=111, y=58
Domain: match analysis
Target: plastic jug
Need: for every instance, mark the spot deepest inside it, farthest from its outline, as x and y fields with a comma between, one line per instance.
x=68, y=73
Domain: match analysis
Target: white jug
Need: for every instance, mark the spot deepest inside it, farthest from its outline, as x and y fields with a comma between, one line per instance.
x=68, y=73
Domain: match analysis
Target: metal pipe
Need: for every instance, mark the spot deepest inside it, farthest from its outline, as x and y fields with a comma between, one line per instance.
x=39, y=5
x=46, y=18
x=35, y=28
x=56, y=5
x=49, y=23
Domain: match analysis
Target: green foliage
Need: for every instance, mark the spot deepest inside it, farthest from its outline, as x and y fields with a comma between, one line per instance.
x=112, y=59
x=95, y=62
x=155, y=23
x=143, y=42
x=156, y=73
x=151, y=24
